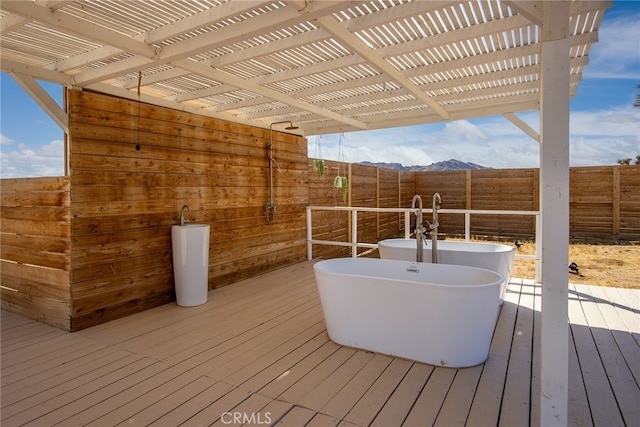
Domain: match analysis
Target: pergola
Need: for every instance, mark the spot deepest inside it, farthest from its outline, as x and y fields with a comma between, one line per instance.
x=336, y=66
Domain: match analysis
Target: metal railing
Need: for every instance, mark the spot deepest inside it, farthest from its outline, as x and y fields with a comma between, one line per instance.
x=354, y=244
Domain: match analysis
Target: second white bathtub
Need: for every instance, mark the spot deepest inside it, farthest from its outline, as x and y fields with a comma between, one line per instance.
x=492, y=256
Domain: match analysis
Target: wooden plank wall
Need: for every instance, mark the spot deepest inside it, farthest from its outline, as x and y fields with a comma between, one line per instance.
x=368, y=187
x=363, y=190
x=124, y=201
x=388, y=196
x=452, y=187
x=503, y=189
x=626, y=201
x=328, y=225
x=35, y=252
x=605, y=201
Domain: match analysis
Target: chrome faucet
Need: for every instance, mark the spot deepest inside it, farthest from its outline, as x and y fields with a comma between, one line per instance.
x=184, y=220
x=420, y=230
x=434, y=228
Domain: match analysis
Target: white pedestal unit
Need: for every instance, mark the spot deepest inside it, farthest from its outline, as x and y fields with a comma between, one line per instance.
x=190, y=244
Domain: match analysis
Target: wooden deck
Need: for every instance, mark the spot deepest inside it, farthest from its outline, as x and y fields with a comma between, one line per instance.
x=258, y=353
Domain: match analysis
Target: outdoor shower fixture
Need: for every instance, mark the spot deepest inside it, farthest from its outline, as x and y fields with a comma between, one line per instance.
x=270, y=207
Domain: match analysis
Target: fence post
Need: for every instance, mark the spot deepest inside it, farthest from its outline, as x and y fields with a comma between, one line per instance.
x=467, y=190
x=616, y=200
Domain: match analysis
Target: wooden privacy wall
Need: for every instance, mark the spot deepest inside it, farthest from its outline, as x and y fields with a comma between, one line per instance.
x=368, y=187
x=626, y=201
x=35, y=250
x=124, y=201
x=604, y=202
x=485, y=189
x=328, y=225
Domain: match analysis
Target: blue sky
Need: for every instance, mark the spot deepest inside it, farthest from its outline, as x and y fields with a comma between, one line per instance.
x=604, y=128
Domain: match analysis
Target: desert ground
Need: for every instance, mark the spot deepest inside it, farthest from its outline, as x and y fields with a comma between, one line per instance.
x=616, y=265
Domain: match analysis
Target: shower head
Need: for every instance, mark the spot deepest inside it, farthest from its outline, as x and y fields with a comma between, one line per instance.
x=290, y=127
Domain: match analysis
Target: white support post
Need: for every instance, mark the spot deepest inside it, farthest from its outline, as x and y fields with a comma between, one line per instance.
x=354, y=233
x=554, y=208
x=407, y=224
x=309, y=235
x=467, y=226
x=538, y=237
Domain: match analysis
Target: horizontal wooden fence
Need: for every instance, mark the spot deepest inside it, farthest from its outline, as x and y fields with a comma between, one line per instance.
x=94, y=246
x=125, y=200
x=604, y=201
x=35, y=249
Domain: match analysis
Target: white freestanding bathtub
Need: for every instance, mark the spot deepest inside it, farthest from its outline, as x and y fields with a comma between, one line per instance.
x=439, y=314
x=492, y=256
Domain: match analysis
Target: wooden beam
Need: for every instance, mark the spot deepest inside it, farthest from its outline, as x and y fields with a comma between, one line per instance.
x=10, y=66
x=523, y=126
x=554, y=206
x=341, y=33
x=42, y=98
x=12, y=22
x=532, y=10
x=227, y=78
x=78, y=26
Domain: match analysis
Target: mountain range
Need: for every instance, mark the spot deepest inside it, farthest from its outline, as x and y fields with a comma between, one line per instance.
x=446, y=165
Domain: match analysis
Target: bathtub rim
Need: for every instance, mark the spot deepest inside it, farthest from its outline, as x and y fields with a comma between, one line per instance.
x=507, y=249
x=499, y=282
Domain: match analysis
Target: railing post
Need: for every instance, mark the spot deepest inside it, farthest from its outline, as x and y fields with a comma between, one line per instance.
x=309, y=235
x=352, y=240
x=354, y=233
x=538, y=237
x=407, y=225
x=467, y=226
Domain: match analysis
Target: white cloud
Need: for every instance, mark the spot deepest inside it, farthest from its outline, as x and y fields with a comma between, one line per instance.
x=493, y=143
x=604, y=137
x=463, y=130
x=596, y=138
x=5, y=140
x=21, y=161
x=617, y=53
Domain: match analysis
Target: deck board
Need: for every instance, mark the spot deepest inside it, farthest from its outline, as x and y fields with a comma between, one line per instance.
x=259, y=349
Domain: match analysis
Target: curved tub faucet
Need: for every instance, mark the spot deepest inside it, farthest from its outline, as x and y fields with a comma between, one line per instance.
x=420, y=230
x=184, y=220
